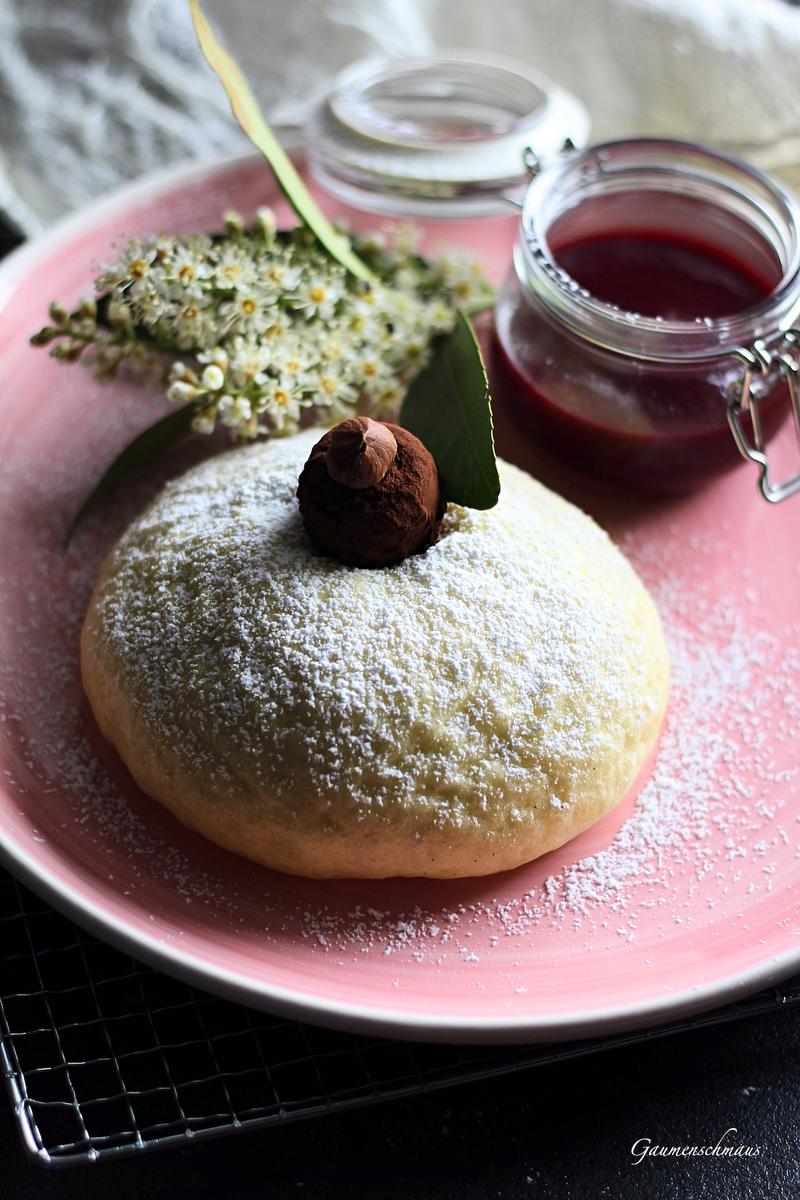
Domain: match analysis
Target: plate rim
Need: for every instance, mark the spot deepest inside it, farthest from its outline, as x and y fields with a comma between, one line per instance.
x=268, y=996
x=303, y=1006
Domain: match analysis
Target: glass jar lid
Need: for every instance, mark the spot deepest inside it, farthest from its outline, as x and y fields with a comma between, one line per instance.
x=444, y=133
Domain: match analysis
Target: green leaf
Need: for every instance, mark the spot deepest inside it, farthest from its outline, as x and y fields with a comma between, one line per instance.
x=136, y=454
x=248, y=114
x=448, y=408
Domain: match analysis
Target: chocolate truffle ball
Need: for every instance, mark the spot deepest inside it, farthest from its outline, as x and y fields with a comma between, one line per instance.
x=370, y=494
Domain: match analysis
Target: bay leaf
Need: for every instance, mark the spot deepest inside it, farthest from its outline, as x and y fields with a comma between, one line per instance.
x=449, y=409
x=136, y=454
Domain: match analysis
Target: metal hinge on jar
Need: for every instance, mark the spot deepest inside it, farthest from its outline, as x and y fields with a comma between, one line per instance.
x=763, y=360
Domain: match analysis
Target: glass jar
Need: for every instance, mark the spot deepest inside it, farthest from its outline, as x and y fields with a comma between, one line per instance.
x=707, y=249
x=439, y=142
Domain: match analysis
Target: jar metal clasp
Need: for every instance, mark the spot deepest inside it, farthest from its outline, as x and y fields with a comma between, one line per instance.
x=534, y=164
x=763, y=360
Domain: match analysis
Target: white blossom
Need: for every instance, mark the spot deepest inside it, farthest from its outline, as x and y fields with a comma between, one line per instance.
x=179, y=392
x=134, y=263
x=119, y=313
x=234, y=410
x=218, y=356
x=265, y=220
x=267, y=324
x=234, y=268
x=318, y=296
x=203, y=422
x=233, y=220
x=283, y=402
x=212, y=378
x=246, y=312
x=248, y=361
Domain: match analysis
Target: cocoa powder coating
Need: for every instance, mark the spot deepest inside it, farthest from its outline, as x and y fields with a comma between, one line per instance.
x=375, y=526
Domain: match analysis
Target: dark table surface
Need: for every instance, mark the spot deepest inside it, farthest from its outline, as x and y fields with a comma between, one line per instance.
x=557, y=1131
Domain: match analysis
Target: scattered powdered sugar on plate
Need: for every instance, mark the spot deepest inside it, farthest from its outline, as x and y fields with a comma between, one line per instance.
x=708, y=828
x=719, y=695
x=712, y=742
x=735, y=704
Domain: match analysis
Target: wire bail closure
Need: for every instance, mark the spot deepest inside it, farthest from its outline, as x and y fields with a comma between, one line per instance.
x=761, y=360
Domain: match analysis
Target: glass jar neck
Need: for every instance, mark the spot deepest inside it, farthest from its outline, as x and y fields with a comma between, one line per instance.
x=662, y=189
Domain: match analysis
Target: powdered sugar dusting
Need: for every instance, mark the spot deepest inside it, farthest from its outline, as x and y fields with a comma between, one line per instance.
x=719, y=735
x=506, y=665
x=714, y=829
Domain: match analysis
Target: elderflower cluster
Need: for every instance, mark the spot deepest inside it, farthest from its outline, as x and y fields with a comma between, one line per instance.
x=266, y=325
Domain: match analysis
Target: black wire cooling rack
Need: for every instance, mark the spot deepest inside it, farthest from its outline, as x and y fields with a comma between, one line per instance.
x=103, y=1056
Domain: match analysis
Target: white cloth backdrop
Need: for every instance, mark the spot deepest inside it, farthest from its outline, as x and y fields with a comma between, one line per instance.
x=94, y=92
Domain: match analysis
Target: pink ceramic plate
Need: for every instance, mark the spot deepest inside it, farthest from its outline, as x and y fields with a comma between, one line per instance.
x=683, y=898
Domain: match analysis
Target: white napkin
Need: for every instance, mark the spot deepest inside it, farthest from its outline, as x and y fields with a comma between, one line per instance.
x=93, y=93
